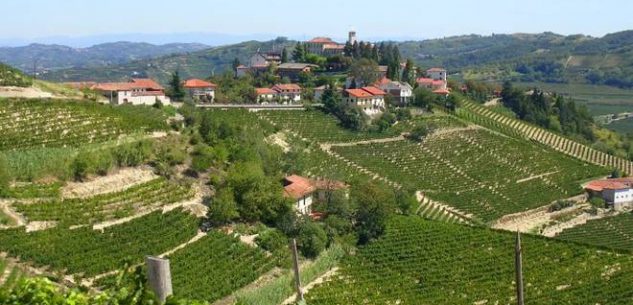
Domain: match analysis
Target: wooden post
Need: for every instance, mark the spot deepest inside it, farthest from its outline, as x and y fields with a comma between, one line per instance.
x=159, y=277
x=518, y=264
x=293, y=247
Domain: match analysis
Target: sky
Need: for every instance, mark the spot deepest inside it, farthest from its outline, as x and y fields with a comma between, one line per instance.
x=35, y=20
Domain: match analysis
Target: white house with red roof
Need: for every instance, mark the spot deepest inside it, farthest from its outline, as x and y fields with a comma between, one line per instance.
x=324, y=46
x=370, y=100
x=200, y=90
x=617, y=192
x=288, y=92
x=138, y=91
x=265, y=95
x=437, y=74
x=401, y=92
x=304, y=191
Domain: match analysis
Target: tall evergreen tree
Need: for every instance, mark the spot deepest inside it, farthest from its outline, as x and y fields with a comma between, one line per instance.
x=177, y=91
x=236, y=63
x=284, y=56
x=408, y=72
x=299, y=53
x=349, y=49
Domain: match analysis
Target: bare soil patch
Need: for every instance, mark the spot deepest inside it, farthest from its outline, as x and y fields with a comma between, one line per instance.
x=119, y=181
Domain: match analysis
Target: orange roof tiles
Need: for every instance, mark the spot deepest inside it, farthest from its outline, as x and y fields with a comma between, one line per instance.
x=146, y=83
x=286, y=87
x=441, y=91
x=264, y=91
x=436, y=70
x=298, y=187
x=321, y=40
x=358, y=93
x=373, y=90
x=609, y=184
x=198, y=83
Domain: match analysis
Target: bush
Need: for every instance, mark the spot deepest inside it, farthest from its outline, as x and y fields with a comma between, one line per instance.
x=272, y=240
x=312, y=239
x=223, y=208
x=597, y=202
x=559, y=205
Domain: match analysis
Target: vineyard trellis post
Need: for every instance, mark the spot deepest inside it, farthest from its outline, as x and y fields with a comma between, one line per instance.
x=518, y=264
x=295, y=259
x=159, y=277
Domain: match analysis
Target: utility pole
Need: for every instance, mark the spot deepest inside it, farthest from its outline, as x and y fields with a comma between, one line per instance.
x=518, y=264
x=159, y=277
x=293, y=247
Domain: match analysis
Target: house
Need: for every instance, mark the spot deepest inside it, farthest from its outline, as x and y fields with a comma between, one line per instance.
x=293, y=70
x=265, y=59
x=617, y=193
x=381, y=73
x=288, y=92
x=437, y=74
x=324, y=46
x=370, y=100
x=200, y=90
x=443, y=92
x=138, y=91
x=401, y=92
x=265, y=95
x=242, y=70
x=431, y=84
x=305, y=191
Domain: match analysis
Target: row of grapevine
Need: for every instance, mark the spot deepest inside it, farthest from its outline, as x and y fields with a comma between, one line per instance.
x=476, y=171
x=41, y=123
x=9, y=274
x=426, y=262
x=149, y=195
x=611, y=232
x=478, y=113
x=89, y=252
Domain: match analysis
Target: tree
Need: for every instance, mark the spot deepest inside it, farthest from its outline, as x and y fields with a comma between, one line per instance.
x=349, y=49
x=177, y=92
x=375, y=204
x=299, y=53
x=284, y=56
x=311, y=239
x=236, y=63
x=408, y=72
x=223, y=208
x=616, y=173
x=364, y=71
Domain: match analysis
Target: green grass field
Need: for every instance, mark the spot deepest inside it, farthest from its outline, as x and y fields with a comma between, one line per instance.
x=622, y=126
x=598, y=99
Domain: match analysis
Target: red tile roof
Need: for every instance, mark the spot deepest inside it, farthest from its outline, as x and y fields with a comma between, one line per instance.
x=441, y=91
x=198, y=83
x=382, y=81
x=263, y=91
x=436, y=70
x=298, y=187
x=610, y=184
x=358, y=93
x=321, y=40
x=373, y=90
x=424, y=81
x=135, y=83
x=146, y=83
x=287, y=87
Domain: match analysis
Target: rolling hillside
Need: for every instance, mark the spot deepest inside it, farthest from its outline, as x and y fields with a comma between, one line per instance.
x=546, y=57
x=54, y=57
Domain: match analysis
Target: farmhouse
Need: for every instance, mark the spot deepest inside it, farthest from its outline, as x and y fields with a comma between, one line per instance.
x=288, y=92
x=138, y=91
x=305, y=191
x=324, y=46
x=370, y=100
x=259, y=63
x=436, y=80
x=200, y=90
x=618, y=193
x=265, y=94
x=401, y=92
x=294, y=70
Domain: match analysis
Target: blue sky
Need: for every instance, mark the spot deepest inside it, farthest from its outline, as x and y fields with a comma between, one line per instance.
x=30, y=19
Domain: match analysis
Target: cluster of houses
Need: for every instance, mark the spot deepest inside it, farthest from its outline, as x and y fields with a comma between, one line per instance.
x=616, y=192
x=145, y=91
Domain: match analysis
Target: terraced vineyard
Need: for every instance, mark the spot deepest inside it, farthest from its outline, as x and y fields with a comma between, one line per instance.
x=427, y=262
x=150, y=195
x=324, y=128
x=89, y=252
x=216, y=265
x=9, y=274
x=476, y=171
x=611, y=232
x=494, y=120
x=41, y=123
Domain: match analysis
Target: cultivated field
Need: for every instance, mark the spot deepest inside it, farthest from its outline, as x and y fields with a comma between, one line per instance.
x=426, y=262
x=611, y=232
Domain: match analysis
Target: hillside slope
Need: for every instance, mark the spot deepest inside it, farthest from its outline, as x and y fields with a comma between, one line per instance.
x=12, y=77
x=53, y=57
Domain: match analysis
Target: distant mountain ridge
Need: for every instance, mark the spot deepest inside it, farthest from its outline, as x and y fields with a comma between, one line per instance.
x=55, y=57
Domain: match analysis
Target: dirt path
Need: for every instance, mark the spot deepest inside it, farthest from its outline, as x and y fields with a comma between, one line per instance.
x=581, y=219
x=319, y=280
x=382, y=140
x=121, y=180
x=493, y=102
x=28, y=92
x=17, y=219
x=536, y=177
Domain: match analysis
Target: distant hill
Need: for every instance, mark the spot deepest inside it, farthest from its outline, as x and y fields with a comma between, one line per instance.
x=545, y=57
x=55, y=57
x=200, y=64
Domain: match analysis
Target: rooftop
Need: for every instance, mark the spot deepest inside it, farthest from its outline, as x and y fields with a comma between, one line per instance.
x=262, y=91
x=321, y=40
x=609, y=184
x=198, y=83
x=286, y=87
x=296, y=66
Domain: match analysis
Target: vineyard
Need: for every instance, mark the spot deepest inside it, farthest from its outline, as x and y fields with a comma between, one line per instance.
x=216, y=265
x=426, y=262
x=103, y=207
x=482, y=115
x=612, y=232
x=324, y=128
x=476, y=171
x=41, y=123
x=89, y=252
x=9, y=274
